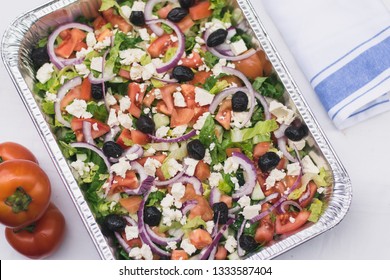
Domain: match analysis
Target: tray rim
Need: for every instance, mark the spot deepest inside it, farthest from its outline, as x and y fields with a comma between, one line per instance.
x=342, y=191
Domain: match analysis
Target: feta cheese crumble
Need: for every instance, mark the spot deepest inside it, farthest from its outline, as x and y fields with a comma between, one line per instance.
x=44, y=73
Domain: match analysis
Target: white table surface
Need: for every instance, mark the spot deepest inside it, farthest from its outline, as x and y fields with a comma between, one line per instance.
x=364, y=150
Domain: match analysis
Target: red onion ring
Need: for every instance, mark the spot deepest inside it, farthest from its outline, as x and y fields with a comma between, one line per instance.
x=111, y=135
x=135, y=149
x=264, y=103
x=283, y=148
x=93, y=149
x=215, y=196
x=159, y=239
x=61, y=94
x=280, y=131
x=249, y=174
x=130, y=221
x=240, y=251
x=180, y=48
x=173, y=180
x=87, y=133
x=195, y=182
x=188, y=206
x=122, y=242
x=185, y=137
x=149, y=16
x=305, y=195
x=58, y=62
x=145, y=185
x=212, y=253
x=288, y=203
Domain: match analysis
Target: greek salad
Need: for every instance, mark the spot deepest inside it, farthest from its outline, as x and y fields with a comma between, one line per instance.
x=176, y=128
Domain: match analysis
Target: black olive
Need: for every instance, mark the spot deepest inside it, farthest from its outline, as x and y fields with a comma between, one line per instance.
x=186, y=3
x=221, y=212
x=145, y=124
x=296, y=133
x=247, y=243
x=268, y=161
x=114, y=222
x=239, y=102
x=183, y=73
x=39, y=57
x=112, y=149
x=137, y=18
x=152, y=216
x=97, y=91
x=177, y=14
x=196, y=149
x=240, y=177
x=217, y=37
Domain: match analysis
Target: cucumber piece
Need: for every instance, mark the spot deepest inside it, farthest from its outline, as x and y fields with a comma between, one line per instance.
x=160, y=120
x=233, y=256
x=257, y=193
x=81, y=157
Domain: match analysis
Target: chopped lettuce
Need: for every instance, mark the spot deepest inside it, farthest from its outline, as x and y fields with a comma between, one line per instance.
x=210, y=60
x=107, y=4
x=169, y=54
x=263, y=128
x=219, y=86
x=226, y=185
x=48, y=107
x=154, y=198
x=269, y=86
x=315, y=209
x=67, y=149
x=323, y=179
x=194, y=223
x=304, y=181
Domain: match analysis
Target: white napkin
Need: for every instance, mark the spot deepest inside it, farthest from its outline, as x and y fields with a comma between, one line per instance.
x=343, y=47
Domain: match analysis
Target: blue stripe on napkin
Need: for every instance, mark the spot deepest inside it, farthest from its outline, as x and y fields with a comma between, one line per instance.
x=354, y=74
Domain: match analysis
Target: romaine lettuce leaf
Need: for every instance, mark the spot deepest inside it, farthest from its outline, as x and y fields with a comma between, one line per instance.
x=316, y=210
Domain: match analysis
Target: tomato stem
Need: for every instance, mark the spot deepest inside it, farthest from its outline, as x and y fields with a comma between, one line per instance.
x=29, y=228
x=1, y=160
x=19, y=200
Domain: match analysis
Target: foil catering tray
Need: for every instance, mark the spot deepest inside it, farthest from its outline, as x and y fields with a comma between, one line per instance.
x=18, y=42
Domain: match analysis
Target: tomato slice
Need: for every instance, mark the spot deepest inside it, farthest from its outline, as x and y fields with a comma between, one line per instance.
x=163, y=12
x=202, y=171
x=201, y=10
x=160, y=45
x=131, y=203
x=185, y=24
x=67, y=46
x=224, y=115
x=252, y=67
x=200, y=78
x=136, y=96
x=193, y=60
x=139, y=138
x=167, y=96
x=102, y=128
x=124, y=137
x=160, y=158
x=312, y=188
x=98, y=23
x=260, y=149
x=179, y=255
x=181, y=116
x=110, y=16
x=129, y=182
x=287, y=226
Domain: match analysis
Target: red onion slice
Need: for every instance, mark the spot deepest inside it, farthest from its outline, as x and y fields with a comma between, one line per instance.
x=264, y=103
x=240, y=251
x=288, y=203
x=172, y=180
x=111, y=135
x=61, y=94
x=122, y=242
x=159, y=239
x=234, y=210
x=149, y=16
x=188, y=206
x=130, y=221
x=212, y=253
x=145, y=185
x=180, y=48
x=93, y=149
x=215, y=196
x=135, y=149
x=283, y=148
x=87, y=133
x=185, y=137
x=195, y=182
x=280, y=131
x=59, y=62
x=249, y=174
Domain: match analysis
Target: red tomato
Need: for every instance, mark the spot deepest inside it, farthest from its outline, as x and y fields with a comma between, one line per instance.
x=265, y=231
x=221, y=253
x=163, y=12
x=139, y=137
x=124, y=137
x=179, y=255
x=136, y=96
x=312, y=192
x=160, y=45
x=200, y=238
x=99, y=22
x=11, y=150
x=110, y=16
x=185, y=24
x=40, y=239
x=131, y=203
x=200, y=78
x=82, y=91
x=77, y=126
x=260, y=149
x=181, y=116
x=252, y=67
x=202, y=171
x=24, y=192
x=284, y=225
x=160, y=158
x=193, y=60
x=200, y=10
x=167, y=95
x=129, y=182
x=224, y=114
x=67, y=47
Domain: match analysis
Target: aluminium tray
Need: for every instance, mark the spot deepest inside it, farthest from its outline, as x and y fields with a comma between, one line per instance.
x=26, y=30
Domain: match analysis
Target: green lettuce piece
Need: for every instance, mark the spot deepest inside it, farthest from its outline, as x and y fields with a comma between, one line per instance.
x=169, y=54
x=67, y=149
x=210, y=59
x=145, y=59
x=226, y=185
x=194, y=223
x=107, y=4
x=299, y=191
x=261, y=128
x=48, y=107
x=269, y=86
x=155, y=197
x=315, y=210
x=207, y=133
x=323, y=179
x=219, y=86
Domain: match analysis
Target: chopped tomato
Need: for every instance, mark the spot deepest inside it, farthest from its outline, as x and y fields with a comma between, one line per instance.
x=139, y=137
x=65, y=34
x=312, y=189
x=252, y=67
x=103, y=35
x=131, y=203
x=123, y=138
x=185, y=24
x=232, y=80
x=221, y=253
x=149, y=98
x=198, y=111
x=79, y=46
x=282, y=163
x=160, y=158
x=202, y=171
x=163, y=12
x=202, y=209
x=181, y=116
x=136, y=96
x=86, y=90
x=265, y=231
x=110, y=16
x=189, y=193
x=230, y=151
x=161, y=107
x=200, y=238
x=193, y=60
x=77, y=126
x=179, y=255
x=98, y=23
x=125, y=74
x=129, y=182
x=290, y=181
x=224, y=114
x=80, y=92
x=200, y=78
x=167, y=96
x=284, y=225
x=160, y=45
x=200, y=10
x=67, y=46
x=188, y=92
x=260, y=149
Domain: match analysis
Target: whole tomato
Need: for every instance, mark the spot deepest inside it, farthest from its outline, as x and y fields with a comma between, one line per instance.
x=24, y=193
x=11, y=150
x=41, y=238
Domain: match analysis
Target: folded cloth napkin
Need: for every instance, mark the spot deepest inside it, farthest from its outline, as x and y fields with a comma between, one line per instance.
x=343, y=48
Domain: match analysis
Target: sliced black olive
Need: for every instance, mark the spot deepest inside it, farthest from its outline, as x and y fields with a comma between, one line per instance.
x=145, y=124
x=296, y=133
x=114, y=222
x=183, y=73
x=239, y=101
x=137, y=18
x=152, y=216
x=97, y=91
x=39, y=57
x=247, y=243
x=186, y=3
x=268, y=161
x=112, y=149
x=217, y=37
x=221, y=212
x=177, y=14
x=196, y=150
